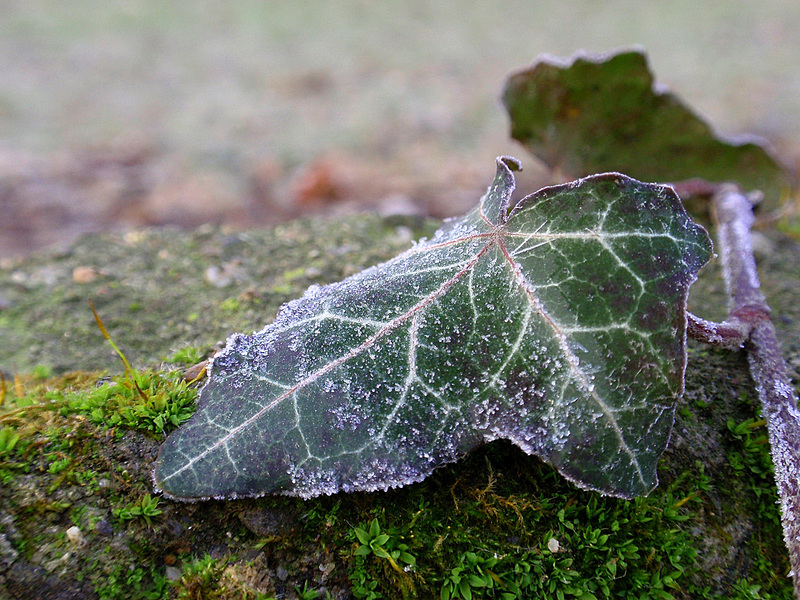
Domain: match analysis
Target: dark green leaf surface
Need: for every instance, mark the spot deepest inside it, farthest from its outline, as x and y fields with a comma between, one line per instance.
x=558, y=325
x=603, y=113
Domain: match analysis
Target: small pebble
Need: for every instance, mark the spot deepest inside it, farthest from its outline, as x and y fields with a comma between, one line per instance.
x=224, y=275
x=56, y=563
x=218, y=277
x=553, y=545
x=103, y=527
x=7, y=552
x=172, y=574
x=75, y=536
x=84, y=274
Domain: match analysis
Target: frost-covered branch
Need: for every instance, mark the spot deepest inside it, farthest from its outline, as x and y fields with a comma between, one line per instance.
x=732, y=211
x=731, y=333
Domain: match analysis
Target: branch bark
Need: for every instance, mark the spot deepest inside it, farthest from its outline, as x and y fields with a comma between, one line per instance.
x=732, y=333
x=733, y=213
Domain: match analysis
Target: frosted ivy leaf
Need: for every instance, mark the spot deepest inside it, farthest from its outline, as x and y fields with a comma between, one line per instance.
x=558, y=324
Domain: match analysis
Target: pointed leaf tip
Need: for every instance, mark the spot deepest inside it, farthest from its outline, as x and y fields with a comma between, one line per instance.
x=495, y=203
x=560, y=327
x=510, y=162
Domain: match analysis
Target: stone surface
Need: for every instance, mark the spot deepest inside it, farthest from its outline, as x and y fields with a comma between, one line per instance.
x=154, y=297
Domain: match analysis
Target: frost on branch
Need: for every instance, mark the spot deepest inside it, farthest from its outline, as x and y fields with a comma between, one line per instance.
x=558, y=324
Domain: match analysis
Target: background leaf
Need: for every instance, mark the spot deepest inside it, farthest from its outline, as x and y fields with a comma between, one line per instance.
x=558, y=324
x=597, y=113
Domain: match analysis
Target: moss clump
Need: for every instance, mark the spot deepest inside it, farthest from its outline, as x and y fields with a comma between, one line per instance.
x=751, y=470
x=521, y=531
x=150, y=401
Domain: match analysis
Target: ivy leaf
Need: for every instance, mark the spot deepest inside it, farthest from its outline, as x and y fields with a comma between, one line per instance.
x=558, y=324
x=597, y=113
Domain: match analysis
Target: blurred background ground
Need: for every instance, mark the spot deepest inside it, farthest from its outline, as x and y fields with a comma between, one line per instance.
x=119, y=115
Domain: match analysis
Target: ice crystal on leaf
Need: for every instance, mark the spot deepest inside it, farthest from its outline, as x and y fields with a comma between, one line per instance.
x=558, y=323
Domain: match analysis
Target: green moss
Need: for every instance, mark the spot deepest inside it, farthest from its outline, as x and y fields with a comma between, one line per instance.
x=751, y=469
x=41, y=372
x=188, y=356
x=201, y=579
x=132, y=582
x=522, y=531
x=151, y=401
x=8, y=441
x=525, y=533
x=499, y=524
x=34, y=436
x=230, y=304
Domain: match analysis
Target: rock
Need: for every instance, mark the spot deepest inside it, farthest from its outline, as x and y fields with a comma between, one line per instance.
x=84, y=274
x=264, y=521
x=26, y=582
x=49, y=323
x=75, y=536
x=7, y=552
x=103, y=527
x=164, y=272
x=223, y=275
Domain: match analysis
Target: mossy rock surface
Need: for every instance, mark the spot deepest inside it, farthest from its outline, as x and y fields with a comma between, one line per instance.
x=709, y=530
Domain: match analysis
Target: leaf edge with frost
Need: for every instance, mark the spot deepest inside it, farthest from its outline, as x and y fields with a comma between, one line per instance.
x=495, y=206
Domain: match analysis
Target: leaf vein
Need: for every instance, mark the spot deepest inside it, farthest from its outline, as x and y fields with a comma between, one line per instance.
x=390, y=326
x=572, y=359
